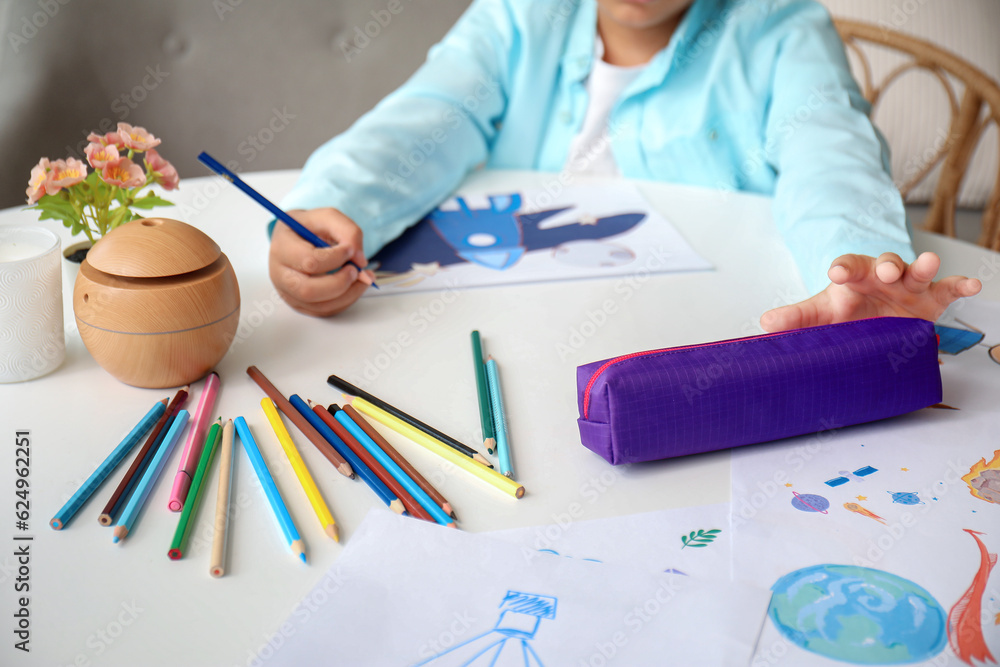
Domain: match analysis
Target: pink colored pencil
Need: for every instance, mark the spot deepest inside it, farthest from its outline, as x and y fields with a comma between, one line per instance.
x=196, y=440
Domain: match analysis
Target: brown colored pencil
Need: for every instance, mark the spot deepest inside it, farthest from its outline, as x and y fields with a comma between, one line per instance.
x=342, y=466
x=397, y=457
x=141, y=460
x=402, y=496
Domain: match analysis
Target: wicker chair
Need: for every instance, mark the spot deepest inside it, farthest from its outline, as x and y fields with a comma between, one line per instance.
x=978, y=108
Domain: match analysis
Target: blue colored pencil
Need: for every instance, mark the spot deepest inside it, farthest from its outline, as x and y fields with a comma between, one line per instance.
x=359, y=467
x=145, y=485
x=97, y=477
x=270, y=489
x=393, y=469
x=296, y=226
x=499, y=418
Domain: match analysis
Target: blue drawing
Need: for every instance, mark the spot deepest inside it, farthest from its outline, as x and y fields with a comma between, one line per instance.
x=858, y=615
x=556, y=553
x=845, y=476
x=508, y=643
x=495, y=237
x=952, y=340
x=809, y=502
x=905, y=497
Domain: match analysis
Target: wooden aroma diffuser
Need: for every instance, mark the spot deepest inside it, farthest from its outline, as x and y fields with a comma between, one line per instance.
x=157, y=303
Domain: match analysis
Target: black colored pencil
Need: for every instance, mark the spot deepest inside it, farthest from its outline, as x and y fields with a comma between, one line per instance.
x=349, y=388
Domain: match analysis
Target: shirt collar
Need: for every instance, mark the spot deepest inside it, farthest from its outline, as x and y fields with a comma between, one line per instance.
x=579, y=55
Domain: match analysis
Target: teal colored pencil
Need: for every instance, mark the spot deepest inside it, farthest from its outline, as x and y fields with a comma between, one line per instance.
x=97, y=477
x=483, y=393
x=270, y=489
x=393, y=469
x=145, y=485
x=499, y=418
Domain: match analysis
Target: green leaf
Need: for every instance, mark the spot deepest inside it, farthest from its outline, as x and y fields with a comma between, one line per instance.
x=700, y=538
x=150, y=201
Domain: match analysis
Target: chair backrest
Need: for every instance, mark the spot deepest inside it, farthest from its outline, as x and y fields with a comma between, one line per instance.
x=973, y=110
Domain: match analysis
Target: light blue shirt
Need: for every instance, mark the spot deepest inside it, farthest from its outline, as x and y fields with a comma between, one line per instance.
x=752, y=95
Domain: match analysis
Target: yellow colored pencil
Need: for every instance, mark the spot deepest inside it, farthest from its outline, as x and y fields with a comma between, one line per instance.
x=301, y=471
x=505, y=484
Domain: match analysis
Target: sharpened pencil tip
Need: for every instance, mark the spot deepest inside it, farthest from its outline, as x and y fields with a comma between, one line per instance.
x=333, y=532
x=481, y=459
x=346, y=470
x=397, y=506
x=299, y=549
x=303, y=557
x=121, y=532
x=490, y=444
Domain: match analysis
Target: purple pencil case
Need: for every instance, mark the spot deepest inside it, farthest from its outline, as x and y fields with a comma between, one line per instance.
x=677, y=401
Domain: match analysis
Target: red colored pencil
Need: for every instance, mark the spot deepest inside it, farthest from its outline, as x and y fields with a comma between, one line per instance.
x=342, y=466
x=411, y=505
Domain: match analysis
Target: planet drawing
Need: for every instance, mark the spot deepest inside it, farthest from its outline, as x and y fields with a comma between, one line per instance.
x=859, y=615
x=905, y=497
x=808, y=502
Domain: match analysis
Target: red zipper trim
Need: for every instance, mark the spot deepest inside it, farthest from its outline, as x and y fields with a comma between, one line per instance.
x=610, y=362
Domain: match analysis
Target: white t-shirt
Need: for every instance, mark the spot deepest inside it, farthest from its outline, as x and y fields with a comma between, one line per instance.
x=590, y=152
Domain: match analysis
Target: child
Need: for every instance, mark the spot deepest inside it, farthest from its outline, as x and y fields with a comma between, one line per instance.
x=753, y=95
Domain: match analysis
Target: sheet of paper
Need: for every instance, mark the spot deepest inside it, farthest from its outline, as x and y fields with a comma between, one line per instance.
x=879, y=540
x=691, y=541
x=531, y=236
x=409, y=592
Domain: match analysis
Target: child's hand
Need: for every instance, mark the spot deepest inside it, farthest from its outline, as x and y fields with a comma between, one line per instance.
x=301, y=272
x=862, y=286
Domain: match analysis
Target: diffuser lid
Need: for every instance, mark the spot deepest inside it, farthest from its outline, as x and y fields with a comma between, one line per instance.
x=153, y=248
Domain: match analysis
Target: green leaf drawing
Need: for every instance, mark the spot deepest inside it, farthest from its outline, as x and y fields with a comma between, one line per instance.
x=700, y=538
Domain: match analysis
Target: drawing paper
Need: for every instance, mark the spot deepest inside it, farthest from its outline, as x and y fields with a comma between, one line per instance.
x=410, y=592
x=531, y=236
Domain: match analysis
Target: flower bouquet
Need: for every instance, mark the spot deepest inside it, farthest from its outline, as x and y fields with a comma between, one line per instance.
x=96, y=203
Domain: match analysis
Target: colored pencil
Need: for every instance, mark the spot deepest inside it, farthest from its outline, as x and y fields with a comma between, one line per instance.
x=332, y=455
x=218, y=565
x=483, y=393
x=393, y=469
x=398, y=458
x=113, y=460
x=349, y=388
x=270, y=489
x=187, y=519
x=505, y=484
x=499, y=417
x=296, y=226
x=141, y=460
x=407, y=501
x=196, y=441
x=315, y=498
x=148, y=481
x=366, y=473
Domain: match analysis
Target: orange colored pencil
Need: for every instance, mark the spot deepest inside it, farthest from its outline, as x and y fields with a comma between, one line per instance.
x=342, y=466
x=398, y=458
x=411, y=505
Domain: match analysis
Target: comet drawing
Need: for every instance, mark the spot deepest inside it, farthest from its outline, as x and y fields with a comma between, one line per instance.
x=858, y=509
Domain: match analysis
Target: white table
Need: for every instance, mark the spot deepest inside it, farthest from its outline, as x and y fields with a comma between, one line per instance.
x=93, y=602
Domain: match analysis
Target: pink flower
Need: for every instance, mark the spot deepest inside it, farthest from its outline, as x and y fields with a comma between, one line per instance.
x=65, y=173
x=36, y=184
x=137, y=138
x=164, y=173
x=109, y=139
x=124, y=174
x=99, y=155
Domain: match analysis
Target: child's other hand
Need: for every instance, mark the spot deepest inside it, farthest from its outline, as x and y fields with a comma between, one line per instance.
x=862, y=286
x=301, y=272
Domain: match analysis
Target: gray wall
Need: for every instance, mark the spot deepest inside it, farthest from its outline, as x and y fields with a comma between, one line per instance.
x=255, y=82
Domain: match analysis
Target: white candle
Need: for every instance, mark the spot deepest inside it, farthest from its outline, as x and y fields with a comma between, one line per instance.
x=13, y=251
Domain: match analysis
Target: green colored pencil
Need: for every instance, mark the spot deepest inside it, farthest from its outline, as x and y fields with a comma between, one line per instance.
x=185, y=523
x=485, y=408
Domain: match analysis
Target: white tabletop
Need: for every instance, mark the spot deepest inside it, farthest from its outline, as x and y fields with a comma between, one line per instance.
x=93, y=602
